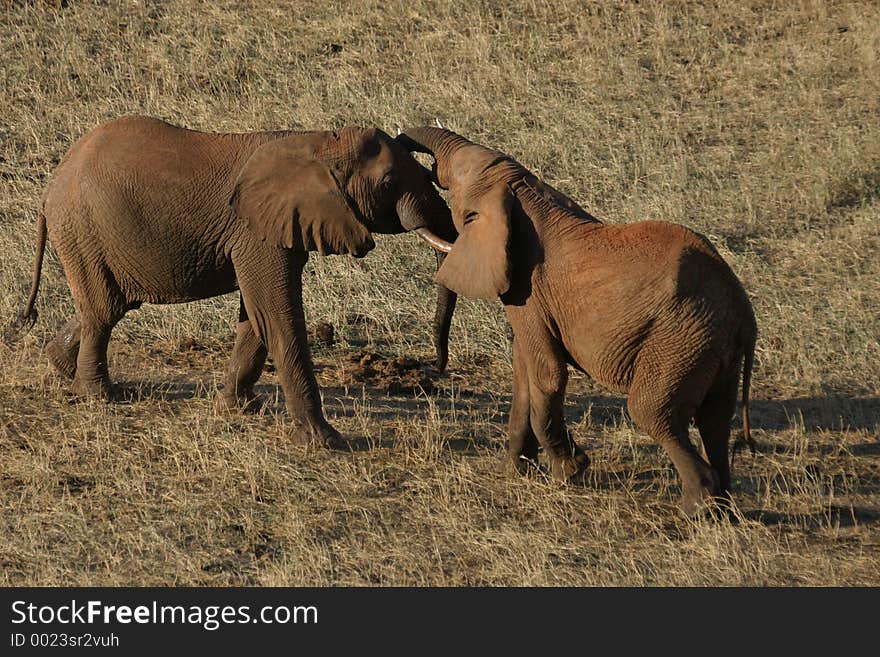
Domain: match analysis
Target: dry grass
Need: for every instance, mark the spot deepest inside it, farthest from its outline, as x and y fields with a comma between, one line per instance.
x=756, y=125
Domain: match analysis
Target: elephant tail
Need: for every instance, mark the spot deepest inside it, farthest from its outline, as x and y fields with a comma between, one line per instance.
x=748, y=363
x=749, y=338
x=28, y=317
x=29, y=314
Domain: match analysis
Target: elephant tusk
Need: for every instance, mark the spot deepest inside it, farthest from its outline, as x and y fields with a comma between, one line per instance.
x=440, y=244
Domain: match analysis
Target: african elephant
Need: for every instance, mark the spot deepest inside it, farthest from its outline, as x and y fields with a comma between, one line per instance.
x=141, y=211
x=649, y=309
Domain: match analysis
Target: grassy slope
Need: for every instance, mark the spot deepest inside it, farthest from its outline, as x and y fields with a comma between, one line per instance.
x=756, y=126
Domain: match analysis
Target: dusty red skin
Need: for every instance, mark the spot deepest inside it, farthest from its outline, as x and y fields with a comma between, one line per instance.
x=649, y=309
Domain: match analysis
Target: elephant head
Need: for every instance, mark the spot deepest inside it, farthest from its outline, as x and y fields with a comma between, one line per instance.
x=329, y=192
x=481, y=183
x=477, y=264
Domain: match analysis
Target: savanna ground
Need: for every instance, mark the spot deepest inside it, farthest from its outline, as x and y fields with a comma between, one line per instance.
x=753, y=123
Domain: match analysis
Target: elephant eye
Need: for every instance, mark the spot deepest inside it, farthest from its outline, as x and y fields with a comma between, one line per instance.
x=470, y=216
x=387, y=182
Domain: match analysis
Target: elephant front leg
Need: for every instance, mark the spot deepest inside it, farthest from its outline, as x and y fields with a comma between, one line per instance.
x=245, y=367
x=271, y=288
x=548, y=376
x=522, y=447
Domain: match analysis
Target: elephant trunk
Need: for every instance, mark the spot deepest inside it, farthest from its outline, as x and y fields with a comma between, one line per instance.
x=439, y=143
x=424, y=212
x=446, y=300
x=428, y=215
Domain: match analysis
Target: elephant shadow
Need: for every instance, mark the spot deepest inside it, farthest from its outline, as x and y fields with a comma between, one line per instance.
x=474, y=422
x=826, y=413
x=383, y=407
x=832, y=412
x=837, y=516
x=821, y=413
x=134, y=392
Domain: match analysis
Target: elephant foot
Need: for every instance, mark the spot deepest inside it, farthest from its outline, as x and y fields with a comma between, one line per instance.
x=521, y=464
x=244, y=402
x=705, y=504
x=92, y=389
x=571, y=467
x=322, y=435
x=718, y=507
x=61, y=359
x=721, y=507
x=702, y=495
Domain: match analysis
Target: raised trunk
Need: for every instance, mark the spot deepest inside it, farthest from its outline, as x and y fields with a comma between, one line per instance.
x=440, y=143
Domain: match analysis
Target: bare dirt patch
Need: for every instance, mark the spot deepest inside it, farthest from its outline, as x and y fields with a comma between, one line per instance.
x=396, y=375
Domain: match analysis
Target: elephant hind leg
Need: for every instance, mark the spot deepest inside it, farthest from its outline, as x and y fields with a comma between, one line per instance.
x=699, y=481
x=63, y=349
x=662, y=407
x=245, y=367
x=92, y=378
x=100, y=305
x=713, y=418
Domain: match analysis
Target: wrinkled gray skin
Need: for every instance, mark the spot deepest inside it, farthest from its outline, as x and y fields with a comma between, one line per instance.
x=140, y=211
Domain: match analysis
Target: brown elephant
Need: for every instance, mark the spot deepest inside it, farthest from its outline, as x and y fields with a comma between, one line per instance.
x=141, y=211
x=649, y=309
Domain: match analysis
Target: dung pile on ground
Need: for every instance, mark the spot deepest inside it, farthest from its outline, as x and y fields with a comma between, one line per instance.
x=323, y=333
x=397, y=376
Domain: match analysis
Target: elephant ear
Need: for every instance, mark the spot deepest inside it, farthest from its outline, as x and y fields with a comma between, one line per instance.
x=478, y=266
x=294, y=201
